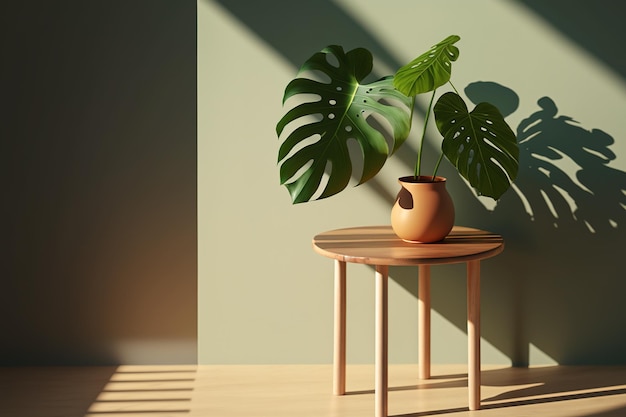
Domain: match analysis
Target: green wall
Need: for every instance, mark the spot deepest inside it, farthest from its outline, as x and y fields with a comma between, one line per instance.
x=98, y=131
x=556, y=295
x=115, y=218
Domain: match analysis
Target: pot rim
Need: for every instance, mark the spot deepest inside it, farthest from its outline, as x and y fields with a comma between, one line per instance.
x=421, y=179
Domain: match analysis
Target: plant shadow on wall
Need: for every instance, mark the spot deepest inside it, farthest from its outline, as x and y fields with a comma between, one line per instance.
x=557, y=286
x=593, y=198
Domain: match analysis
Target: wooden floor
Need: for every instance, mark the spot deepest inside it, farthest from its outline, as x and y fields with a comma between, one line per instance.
x=305, y=390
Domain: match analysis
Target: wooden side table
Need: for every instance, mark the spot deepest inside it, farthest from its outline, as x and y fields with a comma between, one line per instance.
x=379, y=246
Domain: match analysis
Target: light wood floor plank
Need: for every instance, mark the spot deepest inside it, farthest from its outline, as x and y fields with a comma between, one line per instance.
x=306, y=390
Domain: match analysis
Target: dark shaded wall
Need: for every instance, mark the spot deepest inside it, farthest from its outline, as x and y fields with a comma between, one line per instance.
x=98, y=133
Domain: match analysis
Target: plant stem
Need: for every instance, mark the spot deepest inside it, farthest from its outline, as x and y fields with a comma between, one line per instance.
x=454, y=88
x=419, y=153
x=437, y=166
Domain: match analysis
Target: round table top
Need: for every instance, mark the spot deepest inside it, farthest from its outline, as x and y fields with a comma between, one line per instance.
x=379, y=245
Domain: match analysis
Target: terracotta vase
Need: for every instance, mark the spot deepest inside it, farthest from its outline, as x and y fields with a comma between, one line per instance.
x=423, y=211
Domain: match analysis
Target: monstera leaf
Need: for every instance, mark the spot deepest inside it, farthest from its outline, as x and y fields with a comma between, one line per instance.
x=479, y=144
x=335, y=111
x=428, y=71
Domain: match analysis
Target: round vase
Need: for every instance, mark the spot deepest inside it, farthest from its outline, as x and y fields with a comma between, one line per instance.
x=423, y=211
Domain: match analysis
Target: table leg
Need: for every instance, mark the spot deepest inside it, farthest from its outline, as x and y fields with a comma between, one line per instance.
x=473, y=333
x=339, y=349
x=423, y=313
x=380, y=400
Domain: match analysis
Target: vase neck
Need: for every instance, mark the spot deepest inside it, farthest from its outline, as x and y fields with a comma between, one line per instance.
x=421, y=179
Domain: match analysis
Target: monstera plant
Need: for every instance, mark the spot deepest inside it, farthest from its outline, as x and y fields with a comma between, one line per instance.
x=335, y=107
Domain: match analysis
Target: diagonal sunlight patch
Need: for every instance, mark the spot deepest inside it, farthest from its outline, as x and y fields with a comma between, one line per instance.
x=538, y=357
x=148, y=390
x=456, y=344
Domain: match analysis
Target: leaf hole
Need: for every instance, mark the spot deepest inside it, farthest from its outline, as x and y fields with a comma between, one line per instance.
x=490, y=143
x=332, y=102
x=332, y=60
x=382, y=125
x=309, y=141
x=504, y=171
x=299, y=172
x=355, y=153
x=316, y=75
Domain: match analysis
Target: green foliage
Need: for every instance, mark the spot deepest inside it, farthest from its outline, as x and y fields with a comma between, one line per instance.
x=428, y=71
x=336, y=108
x=479, y=144
x=338, y=113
